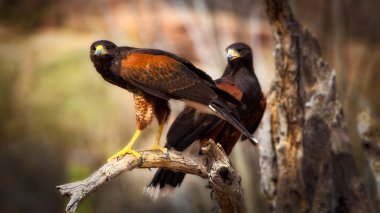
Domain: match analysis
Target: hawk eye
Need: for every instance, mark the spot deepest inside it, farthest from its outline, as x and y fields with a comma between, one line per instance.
x=93, y=48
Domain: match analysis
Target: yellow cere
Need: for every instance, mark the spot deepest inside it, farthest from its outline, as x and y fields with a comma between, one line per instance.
x=231, y=53
x=100, y=50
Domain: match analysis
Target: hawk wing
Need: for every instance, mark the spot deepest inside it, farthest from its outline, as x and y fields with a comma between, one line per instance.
x=252, y=123
x=158, y=73
x=190, y=125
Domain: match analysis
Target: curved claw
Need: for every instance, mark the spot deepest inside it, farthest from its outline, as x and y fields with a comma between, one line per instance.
x=121, y=153
x=157, y=147
x=128, y=149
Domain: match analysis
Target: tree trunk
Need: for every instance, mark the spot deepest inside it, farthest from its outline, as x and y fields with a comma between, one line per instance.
x=307, y=164
x=369, y=132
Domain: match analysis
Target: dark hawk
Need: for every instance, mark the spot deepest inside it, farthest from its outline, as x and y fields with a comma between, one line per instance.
x=240, y=81
x=154, y=77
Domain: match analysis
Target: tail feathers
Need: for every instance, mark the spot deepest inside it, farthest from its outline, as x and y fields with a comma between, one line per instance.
x=155, y=192
x=222, y=110
x=163, y=183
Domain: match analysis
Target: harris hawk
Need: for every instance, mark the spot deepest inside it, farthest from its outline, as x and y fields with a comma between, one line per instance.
x=155, y=76
x=189, y=130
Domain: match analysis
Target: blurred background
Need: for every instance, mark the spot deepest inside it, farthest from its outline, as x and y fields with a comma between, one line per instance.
x=59, y=120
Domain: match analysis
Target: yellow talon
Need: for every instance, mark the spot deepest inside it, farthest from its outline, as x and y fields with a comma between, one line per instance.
x=158, y=137
x=128, y=149
x=162, y=149
x=124, y=151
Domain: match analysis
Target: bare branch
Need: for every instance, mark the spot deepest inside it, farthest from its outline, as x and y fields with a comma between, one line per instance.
x=214, y=165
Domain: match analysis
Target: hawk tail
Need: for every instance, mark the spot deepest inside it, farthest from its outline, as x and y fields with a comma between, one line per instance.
x=163, y=183
x=224, y=112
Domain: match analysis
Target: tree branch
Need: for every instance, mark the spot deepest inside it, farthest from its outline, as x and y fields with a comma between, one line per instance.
x=214, y=165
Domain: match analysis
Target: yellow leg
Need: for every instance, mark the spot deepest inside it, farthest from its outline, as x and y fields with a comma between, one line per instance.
x=128, y=148
x=158, y=137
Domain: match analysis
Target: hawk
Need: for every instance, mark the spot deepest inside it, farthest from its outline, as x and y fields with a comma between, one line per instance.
x=240, y=81
x=154, y=77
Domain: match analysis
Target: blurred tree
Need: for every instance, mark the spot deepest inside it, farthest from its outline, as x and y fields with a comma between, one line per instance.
x=307, y=164
x=31, y=14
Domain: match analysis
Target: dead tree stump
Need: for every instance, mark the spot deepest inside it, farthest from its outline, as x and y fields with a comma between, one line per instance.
x=307, y=165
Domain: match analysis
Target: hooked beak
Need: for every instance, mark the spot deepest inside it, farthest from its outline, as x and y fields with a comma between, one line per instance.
x=232, y=54
x=100, y=50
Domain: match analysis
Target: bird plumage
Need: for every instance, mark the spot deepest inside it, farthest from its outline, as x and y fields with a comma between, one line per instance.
x=240, y=81
x=154, y=77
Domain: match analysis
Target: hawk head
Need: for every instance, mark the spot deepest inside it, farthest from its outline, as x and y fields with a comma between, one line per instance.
x=238, y=51
x=101, y=48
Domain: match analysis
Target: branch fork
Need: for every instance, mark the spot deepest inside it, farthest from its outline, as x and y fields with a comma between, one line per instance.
x=213, y=165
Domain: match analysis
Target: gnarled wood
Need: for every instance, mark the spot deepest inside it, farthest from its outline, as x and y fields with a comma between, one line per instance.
x=214, y=165
x=314, y=170
x=369, y=131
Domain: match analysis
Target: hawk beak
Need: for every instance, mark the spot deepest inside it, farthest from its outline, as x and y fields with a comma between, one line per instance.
x=100, y=50
x=232, y=54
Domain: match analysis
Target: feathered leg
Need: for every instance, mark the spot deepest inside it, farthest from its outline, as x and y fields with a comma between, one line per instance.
x=161, y=111
x=144, y=116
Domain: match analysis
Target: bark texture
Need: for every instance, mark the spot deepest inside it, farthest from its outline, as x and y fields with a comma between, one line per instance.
x=213, y=165
x=306, y=161
x=369, y=131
